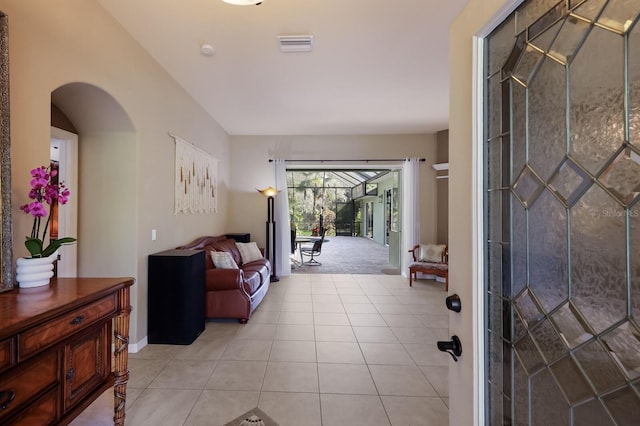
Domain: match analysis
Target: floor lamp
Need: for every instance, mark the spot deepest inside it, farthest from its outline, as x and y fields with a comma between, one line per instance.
x=270, y=249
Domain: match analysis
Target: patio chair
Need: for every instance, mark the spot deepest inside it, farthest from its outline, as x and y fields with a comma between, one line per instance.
x=312, y=251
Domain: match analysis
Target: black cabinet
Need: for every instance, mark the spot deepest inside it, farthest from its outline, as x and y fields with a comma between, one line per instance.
x=240, y=238
x=176, y=296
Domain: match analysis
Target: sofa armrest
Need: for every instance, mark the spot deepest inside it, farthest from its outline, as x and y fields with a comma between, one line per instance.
x=223, y=279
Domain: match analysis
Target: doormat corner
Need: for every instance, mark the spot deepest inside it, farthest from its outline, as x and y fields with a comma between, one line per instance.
x=254, y=417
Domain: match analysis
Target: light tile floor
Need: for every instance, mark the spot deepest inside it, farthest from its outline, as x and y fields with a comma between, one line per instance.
x=320, y=350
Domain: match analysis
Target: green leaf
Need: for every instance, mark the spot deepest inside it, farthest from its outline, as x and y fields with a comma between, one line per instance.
x=34, y=245
x=55, y=245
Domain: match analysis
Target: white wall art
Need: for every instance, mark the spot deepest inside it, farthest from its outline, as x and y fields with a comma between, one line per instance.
x=196, y=183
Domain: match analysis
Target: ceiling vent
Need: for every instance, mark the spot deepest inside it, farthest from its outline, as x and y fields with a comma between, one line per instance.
x=300, y=43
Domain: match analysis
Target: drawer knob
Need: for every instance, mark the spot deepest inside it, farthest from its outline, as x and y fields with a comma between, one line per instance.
x=71, y=374
x=6, y=397
x=77, y=320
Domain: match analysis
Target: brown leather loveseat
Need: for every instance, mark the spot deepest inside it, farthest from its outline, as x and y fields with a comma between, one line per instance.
x=231, y=293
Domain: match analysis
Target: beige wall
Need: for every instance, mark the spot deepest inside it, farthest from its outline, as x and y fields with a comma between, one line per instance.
x=66, y=41
x=250, y=169
x=473, y=19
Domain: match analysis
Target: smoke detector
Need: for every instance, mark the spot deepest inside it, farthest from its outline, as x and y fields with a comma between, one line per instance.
x=207, y=50
x=299, y=43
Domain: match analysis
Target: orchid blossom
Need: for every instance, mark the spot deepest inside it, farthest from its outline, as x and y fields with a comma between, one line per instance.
x=43, y=190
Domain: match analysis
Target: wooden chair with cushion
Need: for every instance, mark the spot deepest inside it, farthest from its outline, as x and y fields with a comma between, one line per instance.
x=432, y=259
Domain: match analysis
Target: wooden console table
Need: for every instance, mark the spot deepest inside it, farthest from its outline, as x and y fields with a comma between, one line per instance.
x=55, y=349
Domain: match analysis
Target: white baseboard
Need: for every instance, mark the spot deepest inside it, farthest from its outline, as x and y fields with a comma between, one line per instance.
x=137, y=347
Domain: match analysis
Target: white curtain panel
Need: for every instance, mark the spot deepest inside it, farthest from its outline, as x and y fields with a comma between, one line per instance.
x=283, y=221
x=410, y=212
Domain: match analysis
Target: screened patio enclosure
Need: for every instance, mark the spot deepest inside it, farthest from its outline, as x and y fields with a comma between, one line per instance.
x=343, y=202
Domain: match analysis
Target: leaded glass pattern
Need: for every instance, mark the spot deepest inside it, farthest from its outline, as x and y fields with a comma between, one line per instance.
x=597, y=91
x=572, y=382
x=589, y=10
x=547, y=105
x=548, y=251
x=634, y=87
x=562, y=219
x=529, y=12
x=591, y=412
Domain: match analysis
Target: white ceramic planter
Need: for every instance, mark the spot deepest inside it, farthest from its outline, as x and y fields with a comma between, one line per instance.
x=35, y=272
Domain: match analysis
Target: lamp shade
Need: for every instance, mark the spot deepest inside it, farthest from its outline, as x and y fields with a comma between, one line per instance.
x=243, y=2
x=269, y=191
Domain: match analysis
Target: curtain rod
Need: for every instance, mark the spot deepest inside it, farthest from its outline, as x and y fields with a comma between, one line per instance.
x=349, y=161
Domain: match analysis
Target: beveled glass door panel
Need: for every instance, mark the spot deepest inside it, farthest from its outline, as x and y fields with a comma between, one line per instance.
x=562, y=218
x=597, y=99
x=547, y=105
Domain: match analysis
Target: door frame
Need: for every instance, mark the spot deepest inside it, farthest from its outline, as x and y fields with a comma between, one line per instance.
x=477, y=226
x=477, y=174
x=68, y=216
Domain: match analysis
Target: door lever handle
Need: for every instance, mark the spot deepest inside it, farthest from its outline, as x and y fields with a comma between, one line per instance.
x=453, y=347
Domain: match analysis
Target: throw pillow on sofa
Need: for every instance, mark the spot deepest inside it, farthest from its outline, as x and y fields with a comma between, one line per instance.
x=229, y=246
x=223, y=260
x=249, y=252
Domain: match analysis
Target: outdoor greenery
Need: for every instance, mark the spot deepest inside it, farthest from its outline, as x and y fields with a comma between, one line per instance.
x=329, y=199
x=314, y=198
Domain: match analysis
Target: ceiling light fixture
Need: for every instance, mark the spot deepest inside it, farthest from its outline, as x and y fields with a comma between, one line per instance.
x=243, y=2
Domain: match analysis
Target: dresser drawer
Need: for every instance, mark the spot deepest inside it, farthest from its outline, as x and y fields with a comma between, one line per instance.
x=25, y=382
x=40, y=337
x=44, y=411
x=7, y=348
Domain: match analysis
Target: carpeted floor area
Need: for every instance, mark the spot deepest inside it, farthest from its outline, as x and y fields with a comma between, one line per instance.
x=349, y=255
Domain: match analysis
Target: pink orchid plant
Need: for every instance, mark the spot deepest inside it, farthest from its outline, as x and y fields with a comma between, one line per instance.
x=43, y=190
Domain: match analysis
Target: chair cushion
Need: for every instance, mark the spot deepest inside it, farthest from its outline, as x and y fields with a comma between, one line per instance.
x=430, y=265
x=431, y=253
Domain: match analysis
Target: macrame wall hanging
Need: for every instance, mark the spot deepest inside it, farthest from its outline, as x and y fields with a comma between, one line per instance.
x=196, y=183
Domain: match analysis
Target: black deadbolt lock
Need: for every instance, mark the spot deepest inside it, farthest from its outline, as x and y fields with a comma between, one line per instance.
x=453, y=347
x=453, y=303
